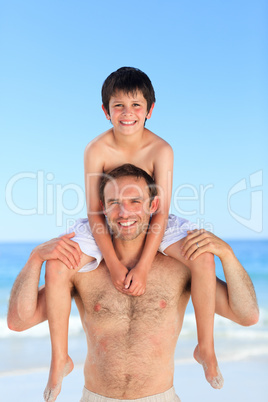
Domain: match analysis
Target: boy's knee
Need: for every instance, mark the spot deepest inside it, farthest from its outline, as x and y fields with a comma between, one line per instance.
x=208, y=259
x=204, y=261
x=55, y=271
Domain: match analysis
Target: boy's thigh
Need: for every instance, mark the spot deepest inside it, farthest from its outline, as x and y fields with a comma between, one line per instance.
x=174, y=251
x=205, y=260
x=85, y=259
x=57, y=271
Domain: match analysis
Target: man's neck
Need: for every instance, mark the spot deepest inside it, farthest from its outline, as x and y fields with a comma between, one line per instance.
x=129, y=251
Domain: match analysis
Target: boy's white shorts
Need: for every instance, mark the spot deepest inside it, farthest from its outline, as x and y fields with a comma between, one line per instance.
x=176, y=229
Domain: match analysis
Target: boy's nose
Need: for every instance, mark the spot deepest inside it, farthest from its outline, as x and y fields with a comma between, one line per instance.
x=127, y=110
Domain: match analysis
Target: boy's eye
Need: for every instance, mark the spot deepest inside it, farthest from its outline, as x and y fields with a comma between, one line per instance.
x=136, y=104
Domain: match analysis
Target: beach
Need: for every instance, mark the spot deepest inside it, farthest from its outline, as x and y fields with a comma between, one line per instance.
x=244, y=381
x=242, y=352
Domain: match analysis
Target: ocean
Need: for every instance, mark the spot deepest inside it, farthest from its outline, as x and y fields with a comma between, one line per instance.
x=30, y=350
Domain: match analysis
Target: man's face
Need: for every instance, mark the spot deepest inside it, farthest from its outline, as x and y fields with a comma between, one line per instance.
x=127, y=207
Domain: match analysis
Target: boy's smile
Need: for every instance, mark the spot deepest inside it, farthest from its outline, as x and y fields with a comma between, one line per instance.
x=127, y=111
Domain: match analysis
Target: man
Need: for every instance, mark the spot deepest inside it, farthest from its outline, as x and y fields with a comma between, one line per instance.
x=131, y=340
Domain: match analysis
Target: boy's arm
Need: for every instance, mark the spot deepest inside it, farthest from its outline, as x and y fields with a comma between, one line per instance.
x=163, y=175
x=94, y=169
x=27, y=304
x=235, y=299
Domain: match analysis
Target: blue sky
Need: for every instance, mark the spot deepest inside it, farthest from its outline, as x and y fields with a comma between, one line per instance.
x=208, y=64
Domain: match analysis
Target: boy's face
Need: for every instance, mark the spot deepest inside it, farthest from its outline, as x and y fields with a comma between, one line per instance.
x=128, y=112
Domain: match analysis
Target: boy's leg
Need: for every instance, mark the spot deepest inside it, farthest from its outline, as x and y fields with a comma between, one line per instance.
x=203, y=293
x=58, y=302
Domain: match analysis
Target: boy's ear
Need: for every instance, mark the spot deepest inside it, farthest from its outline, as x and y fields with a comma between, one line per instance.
x=106, y=113
x=154, y=205
x=150, y=112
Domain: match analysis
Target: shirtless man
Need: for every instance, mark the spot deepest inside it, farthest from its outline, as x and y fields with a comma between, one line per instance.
x=131, y=340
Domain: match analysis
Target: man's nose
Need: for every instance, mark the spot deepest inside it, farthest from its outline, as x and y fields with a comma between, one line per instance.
x=123, y=211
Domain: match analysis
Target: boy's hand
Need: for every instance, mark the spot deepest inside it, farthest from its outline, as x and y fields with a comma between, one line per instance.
x=200, y=241
x=118, y=274
x=61, y=248
x=135, y=282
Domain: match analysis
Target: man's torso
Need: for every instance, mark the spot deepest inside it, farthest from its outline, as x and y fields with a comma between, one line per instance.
x=131, y=340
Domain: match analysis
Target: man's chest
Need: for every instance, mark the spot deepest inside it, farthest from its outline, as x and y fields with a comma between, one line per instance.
x=102, y=302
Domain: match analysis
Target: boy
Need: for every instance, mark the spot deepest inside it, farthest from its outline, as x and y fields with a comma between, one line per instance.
x=128, y=100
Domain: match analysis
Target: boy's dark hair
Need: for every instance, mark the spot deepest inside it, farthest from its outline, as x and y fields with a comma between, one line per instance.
x=128, y=80
x=124, y=171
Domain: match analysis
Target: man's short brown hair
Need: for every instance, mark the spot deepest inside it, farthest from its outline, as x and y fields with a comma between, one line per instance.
x=124, y=171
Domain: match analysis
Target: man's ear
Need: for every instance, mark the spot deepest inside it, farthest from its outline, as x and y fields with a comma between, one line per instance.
x=106, y=113
x=154, y=205
x=149, y=114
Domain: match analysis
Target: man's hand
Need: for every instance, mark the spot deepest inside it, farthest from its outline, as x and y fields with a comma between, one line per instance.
x=200, y=241
x=135, y=282
x=60, y=248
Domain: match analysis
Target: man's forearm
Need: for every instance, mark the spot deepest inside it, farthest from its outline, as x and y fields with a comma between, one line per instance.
x=24, y=294
x=241, y=294
x=27, y=305
x=235, y=299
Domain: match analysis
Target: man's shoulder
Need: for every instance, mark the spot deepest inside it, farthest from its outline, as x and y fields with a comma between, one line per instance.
x=171, y=274
x=170, y=264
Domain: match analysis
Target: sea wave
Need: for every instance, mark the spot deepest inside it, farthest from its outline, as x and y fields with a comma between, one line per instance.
x=223, y=328
x=40, y=330
x=232, y=355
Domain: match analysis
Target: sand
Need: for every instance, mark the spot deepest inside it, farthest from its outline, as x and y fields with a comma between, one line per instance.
x=244, y=381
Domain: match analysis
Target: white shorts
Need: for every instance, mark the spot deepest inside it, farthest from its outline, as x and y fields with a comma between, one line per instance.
x=176, y=230
x=167, y=396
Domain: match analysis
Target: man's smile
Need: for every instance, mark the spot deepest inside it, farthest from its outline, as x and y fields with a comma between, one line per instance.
x=126, y=223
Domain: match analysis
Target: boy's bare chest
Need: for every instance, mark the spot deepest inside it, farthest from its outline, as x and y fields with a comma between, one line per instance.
x=142, y=157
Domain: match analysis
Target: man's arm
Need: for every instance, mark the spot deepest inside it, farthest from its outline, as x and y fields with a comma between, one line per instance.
x=27, y=304
x=235, y=299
